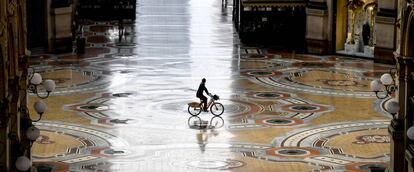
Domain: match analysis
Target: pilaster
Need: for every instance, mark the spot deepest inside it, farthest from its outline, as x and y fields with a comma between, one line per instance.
x=385, y=31
x=62, y=28
x=396, y=130
x=317, y=28
x=408, y=108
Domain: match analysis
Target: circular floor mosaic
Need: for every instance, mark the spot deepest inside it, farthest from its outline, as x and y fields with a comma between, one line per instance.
x=280, y=121
x=267, y=96
x=100, y=110
x=82, y=79
x=335, y=82
x=292, y=152
x=312, y=145
x=261, y=73
x=88, y=137
x=215, y=164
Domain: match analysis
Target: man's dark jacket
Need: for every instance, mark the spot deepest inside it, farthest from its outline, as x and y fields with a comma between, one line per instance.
x=200, y=90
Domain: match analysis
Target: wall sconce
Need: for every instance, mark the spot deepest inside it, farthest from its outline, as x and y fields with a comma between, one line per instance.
x=392, y=106
x=40, y=108
x=23, y=163
x=387, y=80
x=410, y=133
x=35, y=80
x=32, y=133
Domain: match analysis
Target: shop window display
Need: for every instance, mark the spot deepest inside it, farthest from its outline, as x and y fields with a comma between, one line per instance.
x=360, y=38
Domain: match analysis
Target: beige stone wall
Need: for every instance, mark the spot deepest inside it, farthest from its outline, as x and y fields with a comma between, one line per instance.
x=317, y=22
x=385, y=30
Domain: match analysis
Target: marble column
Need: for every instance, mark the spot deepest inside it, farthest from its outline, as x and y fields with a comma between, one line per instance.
x=398, y=126
x=409, y=152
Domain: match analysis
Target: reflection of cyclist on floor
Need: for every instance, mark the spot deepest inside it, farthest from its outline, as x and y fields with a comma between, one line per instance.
x=200, y=95
x=202, y=137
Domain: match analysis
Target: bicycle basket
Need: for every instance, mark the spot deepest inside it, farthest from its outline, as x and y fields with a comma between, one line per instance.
x=216, y=97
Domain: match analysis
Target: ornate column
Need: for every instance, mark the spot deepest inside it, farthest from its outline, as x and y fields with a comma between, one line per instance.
x=317, y=27
x=397, y=126
x=407, y=49
x=385, y=31
x=409, y=104
x=12, y=83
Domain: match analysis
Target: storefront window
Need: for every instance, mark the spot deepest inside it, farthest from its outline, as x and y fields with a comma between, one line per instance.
x=359, y=36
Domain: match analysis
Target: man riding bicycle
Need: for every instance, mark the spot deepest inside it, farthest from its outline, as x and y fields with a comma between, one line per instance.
x=200, y=95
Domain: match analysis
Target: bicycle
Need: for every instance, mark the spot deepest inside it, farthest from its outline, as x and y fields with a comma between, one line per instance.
x=216, y=108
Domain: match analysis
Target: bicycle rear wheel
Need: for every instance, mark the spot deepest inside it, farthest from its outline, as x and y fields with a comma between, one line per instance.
x=194, y=111
x=194, y=122
x=217, y=109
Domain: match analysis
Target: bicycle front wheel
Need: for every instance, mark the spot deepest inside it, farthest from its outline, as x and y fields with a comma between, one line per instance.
x=216, y=122
x=194, y=111
x=217, y=109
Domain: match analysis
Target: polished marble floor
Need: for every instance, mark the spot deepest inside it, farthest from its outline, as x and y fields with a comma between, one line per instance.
x=122, y=106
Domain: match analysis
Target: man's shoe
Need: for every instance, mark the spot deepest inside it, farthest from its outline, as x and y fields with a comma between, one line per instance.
x=206, y=111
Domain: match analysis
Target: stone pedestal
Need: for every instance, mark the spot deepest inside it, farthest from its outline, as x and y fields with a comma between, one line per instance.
x=369, y=51
x=396, y=130
x=351, y=48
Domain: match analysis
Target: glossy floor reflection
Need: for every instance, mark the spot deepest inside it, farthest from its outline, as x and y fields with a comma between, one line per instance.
x=122, y=106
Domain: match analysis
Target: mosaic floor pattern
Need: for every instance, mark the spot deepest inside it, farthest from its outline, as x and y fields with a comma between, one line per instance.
x=122, y=106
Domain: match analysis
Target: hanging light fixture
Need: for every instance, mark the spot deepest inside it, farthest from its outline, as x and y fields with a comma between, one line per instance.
x=386, y=81
x=410, y=133
x=32, y=133
x=35, y=79
x=392, y=106
x=23, y=163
